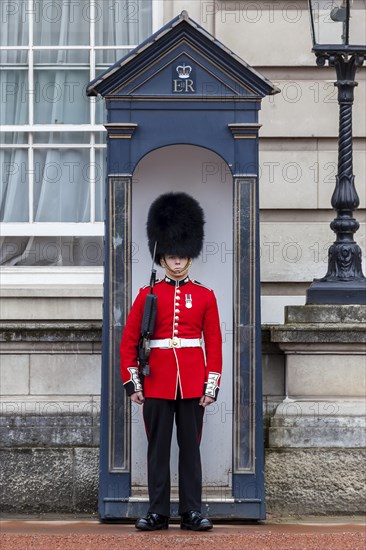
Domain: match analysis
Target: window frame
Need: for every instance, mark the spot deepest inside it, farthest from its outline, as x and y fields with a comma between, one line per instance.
x=49, y=229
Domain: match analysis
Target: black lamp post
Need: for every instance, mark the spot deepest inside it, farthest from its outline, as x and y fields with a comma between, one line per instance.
x=339, y=38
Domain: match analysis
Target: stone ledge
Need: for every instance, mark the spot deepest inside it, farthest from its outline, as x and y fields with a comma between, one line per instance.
x=51, y=431
x=55, y=308
x=326, y=314
x=45, y=331
x=64, y=347
x=269, y=347
x=53, y=291
x=295, y=411
x=49, y=404
x=343, y=437
x=318, y=424
x=49, y=421
x=321, y=325
x=319, y=334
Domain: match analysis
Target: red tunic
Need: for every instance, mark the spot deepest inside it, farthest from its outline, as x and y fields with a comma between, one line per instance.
x=196, y=371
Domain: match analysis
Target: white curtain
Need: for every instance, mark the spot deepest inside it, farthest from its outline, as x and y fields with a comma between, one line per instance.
x=61, y=190
x=121, y=22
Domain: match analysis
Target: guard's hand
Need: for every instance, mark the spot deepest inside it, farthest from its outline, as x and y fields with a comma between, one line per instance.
x=138, y=397
x=206, y=400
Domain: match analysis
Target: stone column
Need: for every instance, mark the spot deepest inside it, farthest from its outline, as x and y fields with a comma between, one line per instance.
x=316, y=456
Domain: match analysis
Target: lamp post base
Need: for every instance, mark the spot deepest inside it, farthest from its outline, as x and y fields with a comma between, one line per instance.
x=337, y=292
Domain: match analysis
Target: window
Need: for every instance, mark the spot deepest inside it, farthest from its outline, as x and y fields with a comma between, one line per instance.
x=52, y=138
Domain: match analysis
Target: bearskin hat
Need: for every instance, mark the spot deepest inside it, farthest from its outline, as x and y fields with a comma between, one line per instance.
x=175, y=222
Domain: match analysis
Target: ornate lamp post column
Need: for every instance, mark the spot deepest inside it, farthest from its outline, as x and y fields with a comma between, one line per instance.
x=334, y=24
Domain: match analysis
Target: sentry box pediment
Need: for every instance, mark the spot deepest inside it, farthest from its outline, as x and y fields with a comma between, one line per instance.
x=181, y=61
x=181, y=85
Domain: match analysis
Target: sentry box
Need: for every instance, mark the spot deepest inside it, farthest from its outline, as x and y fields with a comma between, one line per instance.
x=182, y=113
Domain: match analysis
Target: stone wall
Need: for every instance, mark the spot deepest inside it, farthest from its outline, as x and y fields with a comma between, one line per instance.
x=317, y=437
x=49, y=428
x=315, y=481
x=50, y=401
x=298, y=139
x=49, y=423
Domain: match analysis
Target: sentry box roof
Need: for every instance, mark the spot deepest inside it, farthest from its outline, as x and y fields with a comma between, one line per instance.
x=181, y=61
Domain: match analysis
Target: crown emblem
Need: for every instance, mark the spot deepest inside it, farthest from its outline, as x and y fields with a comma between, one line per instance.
x=184, y=70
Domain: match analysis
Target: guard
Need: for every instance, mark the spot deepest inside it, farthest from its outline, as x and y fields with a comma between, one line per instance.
x=183, y=376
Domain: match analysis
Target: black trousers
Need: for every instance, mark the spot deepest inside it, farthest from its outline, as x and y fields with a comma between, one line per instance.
x=159, y=417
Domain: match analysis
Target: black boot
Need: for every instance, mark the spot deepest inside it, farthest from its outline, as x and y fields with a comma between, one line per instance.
x=194, y=521
x=152, y=522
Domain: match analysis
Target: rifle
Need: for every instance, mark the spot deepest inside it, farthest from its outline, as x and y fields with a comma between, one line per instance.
x=148, y=324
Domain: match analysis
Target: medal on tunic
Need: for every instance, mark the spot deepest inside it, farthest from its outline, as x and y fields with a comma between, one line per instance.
x=188, y=301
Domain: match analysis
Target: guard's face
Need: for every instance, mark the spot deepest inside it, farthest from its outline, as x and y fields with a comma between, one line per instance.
x=175, y=263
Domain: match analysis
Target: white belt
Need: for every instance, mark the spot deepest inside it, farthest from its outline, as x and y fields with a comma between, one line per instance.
x=176, y=343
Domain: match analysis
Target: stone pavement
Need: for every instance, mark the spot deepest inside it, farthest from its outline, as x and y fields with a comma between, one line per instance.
x=60, y=533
